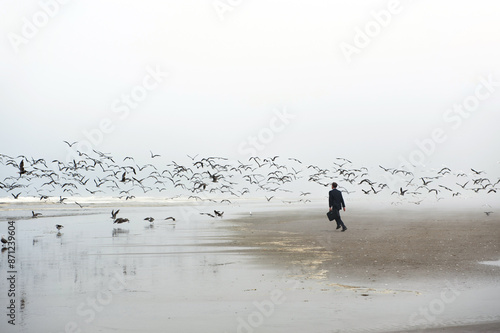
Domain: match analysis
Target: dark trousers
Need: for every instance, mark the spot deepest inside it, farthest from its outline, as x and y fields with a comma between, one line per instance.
x=337, y=218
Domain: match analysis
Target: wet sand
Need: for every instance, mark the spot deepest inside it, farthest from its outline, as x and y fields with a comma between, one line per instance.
x=281, y=269
x=380, y=246
x=427, y=259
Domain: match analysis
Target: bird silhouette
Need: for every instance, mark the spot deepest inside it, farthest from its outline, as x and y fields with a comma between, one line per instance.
x=426, y=182
x=477, y=172
x=22, y=171
x=70, y=144
x=113, y=213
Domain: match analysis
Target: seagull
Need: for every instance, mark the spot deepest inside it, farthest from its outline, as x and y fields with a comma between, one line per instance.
x=4, y=241
x=385, y=169
x=121, y=220
x=218, y=213
x=425, y=182
x=444, y=170
x=170, y=218
x=150, y=219
x=446, y=188
x=59, y=227
x=113, y=214
x=35, y=215
x=477, y=172
x=16, y=195
x=294, y=159
x=21, y=168
x=70, y=144
x=153, y=155
x=214, y=177
x=81, y=206
x=488, y=213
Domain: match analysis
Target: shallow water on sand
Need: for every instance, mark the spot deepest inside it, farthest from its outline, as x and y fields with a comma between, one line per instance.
x=190, y=276
x=94, y=275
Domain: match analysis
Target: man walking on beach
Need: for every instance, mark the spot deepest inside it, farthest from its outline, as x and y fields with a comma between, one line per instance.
x=336, y=202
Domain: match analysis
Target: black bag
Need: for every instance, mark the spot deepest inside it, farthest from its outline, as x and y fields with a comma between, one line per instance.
x=331, y=215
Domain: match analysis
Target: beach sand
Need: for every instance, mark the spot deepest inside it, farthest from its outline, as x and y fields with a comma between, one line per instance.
x=280, y=268
x=413, y=267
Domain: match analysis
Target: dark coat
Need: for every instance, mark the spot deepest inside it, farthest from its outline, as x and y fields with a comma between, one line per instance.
x=335, y=199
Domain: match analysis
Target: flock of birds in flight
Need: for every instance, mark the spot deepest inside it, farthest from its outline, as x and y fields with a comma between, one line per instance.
x=212, y=178
x=205, y=178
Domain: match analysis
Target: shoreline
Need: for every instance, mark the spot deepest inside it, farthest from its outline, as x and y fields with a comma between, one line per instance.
x=285, y=265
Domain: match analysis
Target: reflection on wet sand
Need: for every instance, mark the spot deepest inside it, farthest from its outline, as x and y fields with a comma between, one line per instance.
x=255, y=273
x=118, y=231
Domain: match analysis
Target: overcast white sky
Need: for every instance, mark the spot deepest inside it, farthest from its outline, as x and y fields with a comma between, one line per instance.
x=228, y=73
